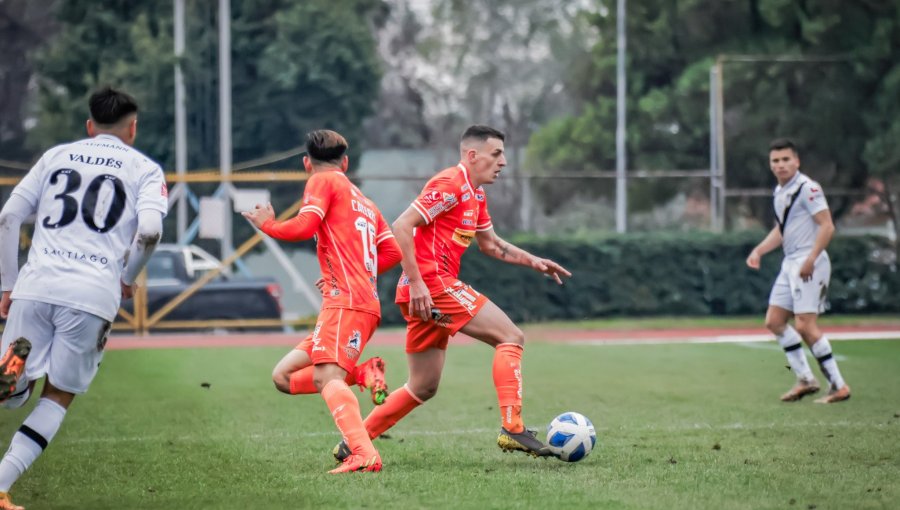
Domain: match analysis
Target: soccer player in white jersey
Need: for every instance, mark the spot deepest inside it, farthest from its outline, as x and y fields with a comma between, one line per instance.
x=803, y=229
x=98, y=206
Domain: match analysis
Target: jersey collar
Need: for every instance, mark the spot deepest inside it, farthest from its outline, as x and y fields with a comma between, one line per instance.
x=796, y=179
x=465, y=172
x=107, y=136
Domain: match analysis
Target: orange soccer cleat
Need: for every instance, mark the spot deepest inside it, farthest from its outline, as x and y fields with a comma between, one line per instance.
x=835, y=396
x=12, y=366
x=7, y=504
x=359, y=463
x=371, y=375
x=803, y=388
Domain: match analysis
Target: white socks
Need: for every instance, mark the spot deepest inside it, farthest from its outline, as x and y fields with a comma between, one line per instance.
x=792, y=344
x=30, y=440
x=822, y=351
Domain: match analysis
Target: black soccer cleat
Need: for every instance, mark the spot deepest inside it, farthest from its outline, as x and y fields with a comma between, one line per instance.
x=525, y=441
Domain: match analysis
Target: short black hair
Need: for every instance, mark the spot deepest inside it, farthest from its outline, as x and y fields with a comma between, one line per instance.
x=325, y=146
x=109, y=106
x=481, y=133
x=782, y=143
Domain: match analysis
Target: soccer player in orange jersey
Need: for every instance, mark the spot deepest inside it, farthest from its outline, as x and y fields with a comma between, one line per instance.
x=433, y=233
x=354, y=245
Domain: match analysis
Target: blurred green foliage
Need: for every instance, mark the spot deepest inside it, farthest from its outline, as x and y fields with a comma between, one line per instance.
x=671, y=274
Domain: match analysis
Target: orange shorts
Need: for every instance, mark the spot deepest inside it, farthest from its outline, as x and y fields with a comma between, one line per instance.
x=453, y=309
x=339, y=337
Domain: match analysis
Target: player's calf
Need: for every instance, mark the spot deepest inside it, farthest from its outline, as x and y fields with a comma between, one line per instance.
x=12, y=366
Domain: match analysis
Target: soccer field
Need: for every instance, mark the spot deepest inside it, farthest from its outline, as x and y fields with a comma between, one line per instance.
x=679, y=426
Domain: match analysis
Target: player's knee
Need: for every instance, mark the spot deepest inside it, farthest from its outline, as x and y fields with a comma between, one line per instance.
x=282, y=381
x=776, y=326
x=512, y=335
x=424, y=391
x=808, y=330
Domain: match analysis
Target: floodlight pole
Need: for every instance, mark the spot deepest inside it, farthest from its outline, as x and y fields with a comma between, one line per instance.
x=621, y=192
x=180, y=121
x=225, y=119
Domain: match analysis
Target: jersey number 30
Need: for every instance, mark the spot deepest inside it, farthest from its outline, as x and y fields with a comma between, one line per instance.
x=89, y=202
x=370, y=251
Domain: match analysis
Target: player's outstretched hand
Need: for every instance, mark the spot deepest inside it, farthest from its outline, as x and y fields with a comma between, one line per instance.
x=320, y=284
x=259, y=215
x=128, y=290
x=551, y=269
x=753, y=260
x=4, y=304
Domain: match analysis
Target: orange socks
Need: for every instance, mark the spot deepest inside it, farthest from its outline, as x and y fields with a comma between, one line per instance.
x=345, y=411
x=302, y=381
x=508, y=382
x=397, y=405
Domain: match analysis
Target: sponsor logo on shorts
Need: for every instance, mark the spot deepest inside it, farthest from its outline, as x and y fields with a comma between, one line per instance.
x=353, y=343
x=104, y=336
x=463, y=237
x=441, y=319
x=316, y=339
x=460, y=291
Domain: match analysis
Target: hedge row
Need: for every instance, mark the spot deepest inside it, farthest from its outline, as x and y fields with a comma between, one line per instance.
x=674, y=274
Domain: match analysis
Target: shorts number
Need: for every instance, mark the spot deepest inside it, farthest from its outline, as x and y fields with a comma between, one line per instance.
x=89, y=202
x=370, y=251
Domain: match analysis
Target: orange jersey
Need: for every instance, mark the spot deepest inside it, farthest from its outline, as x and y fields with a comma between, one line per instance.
x=346, y=241
x=453, y=211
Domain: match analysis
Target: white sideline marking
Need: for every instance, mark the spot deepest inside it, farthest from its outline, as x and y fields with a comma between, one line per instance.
x=459, y=432
x=728, y=339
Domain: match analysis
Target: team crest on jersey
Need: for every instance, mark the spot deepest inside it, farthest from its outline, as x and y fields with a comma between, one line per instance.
x=479, y=197
x=463, y=237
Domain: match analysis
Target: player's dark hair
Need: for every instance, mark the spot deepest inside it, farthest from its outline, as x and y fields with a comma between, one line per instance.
x=109, y=106
x=481, y=133
x=325, y=146
x=782, y=143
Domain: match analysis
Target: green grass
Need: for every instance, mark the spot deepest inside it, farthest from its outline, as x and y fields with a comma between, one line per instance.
x=679, y=427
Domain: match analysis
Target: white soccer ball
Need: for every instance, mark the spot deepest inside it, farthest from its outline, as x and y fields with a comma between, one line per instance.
x=571, y=436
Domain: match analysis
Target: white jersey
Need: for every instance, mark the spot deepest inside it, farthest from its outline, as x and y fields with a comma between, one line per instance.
x=87, y=195
x=795, y=205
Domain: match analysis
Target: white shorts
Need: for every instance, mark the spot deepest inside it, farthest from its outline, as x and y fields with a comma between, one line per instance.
x=793, y=294
x=66, y=344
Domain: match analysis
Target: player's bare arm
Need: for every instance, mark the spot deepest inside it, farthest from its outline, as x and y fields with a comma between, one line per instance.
x=12, y=216
x=823, y=237
x=771, y=241
x=491, y=244
x=420, y=302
